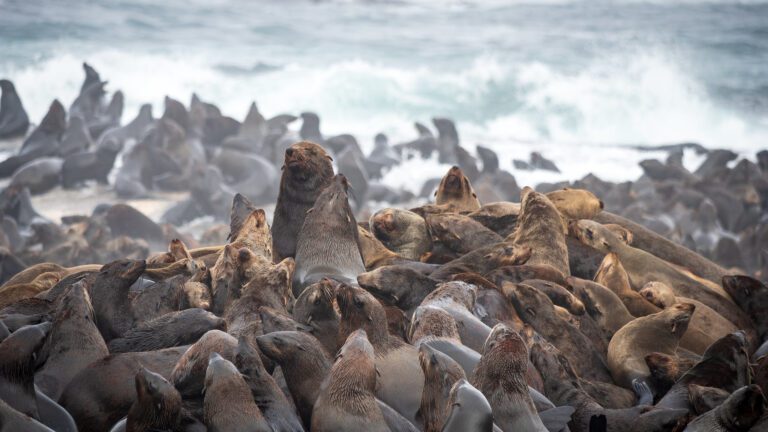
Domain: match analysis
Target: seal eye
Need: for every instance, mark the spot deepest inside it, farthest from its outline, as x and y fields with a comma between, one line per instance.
x=590, y=234
x=530, y=311
x=359, y=303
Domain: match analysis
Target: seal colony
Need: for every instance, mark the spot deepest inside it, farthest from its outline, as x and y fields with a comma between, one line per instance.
x=586, y=306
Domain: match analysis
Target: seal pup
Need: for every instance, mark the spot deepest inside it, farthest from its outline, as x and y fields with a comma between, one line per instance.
x=401, y=379
x=347, y=402
x=752, y=296
x=188, y=374
x=500, y=376
x=455, y=192
x=157, y=406
x=458, y=233
x=458, y=298
x=469, y=410
x=435, y=327
x=307, y=170
x=398, y=285
x=73, y=343
x=659, y=332
x=611, y=274
x=440, y=374
x=401, y=231
x=304, y=363
x=254, y=234
x=228, y=404
x=704, y=399
x=485, y=260
x=14, y=121
x=270, y=399
x=739, y=412
x=328, y=244
x=541, y=228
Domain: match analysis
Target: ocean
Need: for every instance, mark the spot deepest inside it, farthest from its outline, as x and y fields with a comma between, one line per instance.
x=580, y=81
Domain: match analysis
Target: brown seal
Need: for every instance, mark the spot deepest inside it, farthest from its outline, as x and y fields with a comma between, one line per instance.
x=458, y=299
x=576, y=203
x=500, y=376
x=705, y=398
x=254, y=234
x=315, y=308
x=706, y=325
x=665, y=370
x=374, y=253
x=739, y=412
x=459, y=234
x=170, y=330
x=401, y=231
x=17, y=364
x=225, y=280
x=177, y=250
x=724, y=365
x=456, y=190
x=328, y=244
x=752, y=296
x=499, y=217
x=537, y=309
x=642, y=267
x=602, y=304
x=522, y=272
x=484, y=260
x=659, y=332
x=109, y=294
x=561, y=386
x=541, y=228
x=398, y=285
x=440, y=374
x=73, y=343
x=157, y=405
x=103, y=393
x=270, y=399
x=347, y=402
x=470, y=411
x=401, y=379
x=435, y=327
x=228, y=403
x=612, y=275
x=307, y=170
x=188, y=374
x=304, y=363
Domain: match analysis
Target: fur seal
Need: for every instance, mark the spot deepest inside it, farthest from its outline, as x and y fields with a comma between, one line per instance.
x=460, y=234
x=540, y=227
x=347, y=402
x=484, y=260
x=642, y=267
x=440, y=374
x=469, y=410
x=304, y=363
x=576, y=203
x=401, y=231
x=752, y=296
x=706, y=325
x=328, y=244
x=40, y=175
x=14, y=121
x=170, y=330
x=228, y=403
x=73, y=343
x=499, y=217
x=739, y=412
x=401, y=379
x=664, y=248
x=111, y=304
x=12, y=421
x=500, y=376
x=537, y=309
x=458, y=299
x=43, y=141
x=602, y=304
x=315, y=308
x=704, y=398
x=398, y=285
x=612, y=275
x=157, y=405
x=307, y=170
x=253, y=234
x=435, y=327
x=660, y=332
x=455, y=191
x=270, y=399
x=724, y=365
x=17, y=362
x=188, y=375
x=102, y=394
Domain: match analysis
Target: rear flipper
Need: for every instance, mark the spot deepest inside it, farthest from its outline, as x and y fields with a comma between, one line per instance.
x=643, y=391
x=556, y=419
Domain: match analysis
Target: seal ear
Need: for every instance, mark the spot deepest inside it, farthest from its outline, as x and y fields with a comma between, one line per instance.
x=329, y=158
